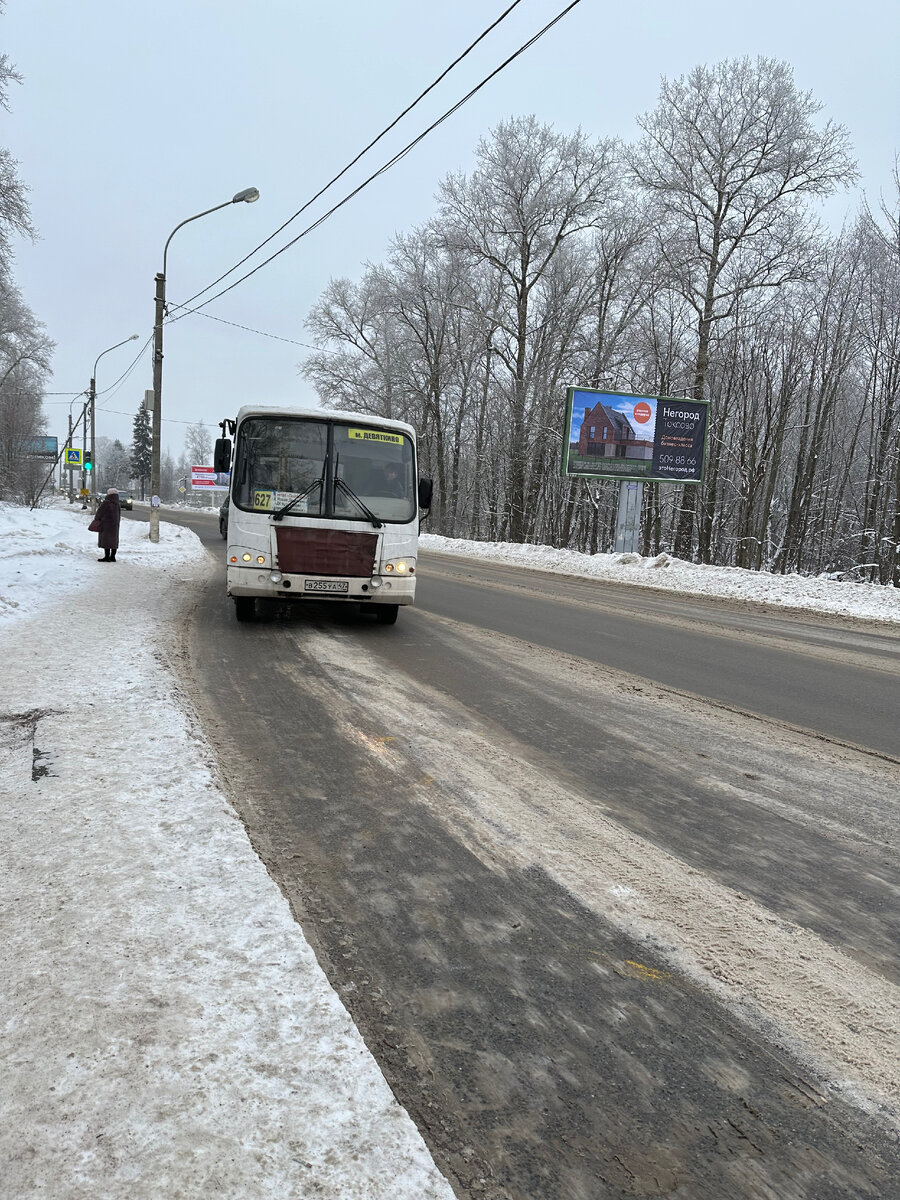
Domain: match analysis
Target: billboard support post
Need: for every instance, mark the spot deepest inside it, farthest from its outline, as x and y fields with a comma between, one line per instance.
x=628, y=517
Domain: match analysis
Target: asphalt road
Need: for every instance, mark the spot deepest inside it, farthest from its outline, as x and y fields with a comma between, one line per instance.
x=604, y=937
x=837, y=678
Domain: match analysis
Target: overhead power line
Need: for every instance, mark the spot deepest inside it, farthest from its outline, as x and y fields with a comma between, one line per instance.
x=262, y=332
x=83, y=391
x=354, y=161
x=381, y=170
x=114, y=387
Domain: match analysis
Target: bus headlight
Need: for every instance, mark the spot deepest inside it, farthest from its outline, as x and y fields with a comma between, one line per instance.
x=275, y=576
x=399, y=566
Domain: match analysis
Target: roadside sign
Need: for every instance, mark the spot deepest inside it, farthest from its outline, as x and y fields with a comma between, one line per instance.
x=208, y=477
x=73, y=458
x=40, y=447
x=182, y=489
x=84, y=492
x=619, y=435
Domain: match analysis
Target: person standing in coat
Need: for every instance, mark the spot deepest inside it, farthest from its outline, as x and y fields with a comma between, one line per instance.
x=108, y=517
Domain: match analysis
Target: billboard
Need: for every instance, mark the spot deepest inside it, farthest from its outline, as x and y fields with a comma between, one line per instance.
x=206, y=479
x=618, y=435
x=40, y=447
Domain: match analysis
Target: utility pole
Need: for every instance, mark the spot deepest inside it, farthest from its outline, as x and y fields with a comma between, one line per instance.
x=71, y=447
x=247, y=196
x=84, y=455
x=156, y=427
x=93, y=398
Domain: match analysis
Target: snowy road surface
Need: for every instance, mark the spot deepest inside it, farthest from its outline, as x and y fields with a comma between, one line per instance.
x=661, y=987
x=599, y=934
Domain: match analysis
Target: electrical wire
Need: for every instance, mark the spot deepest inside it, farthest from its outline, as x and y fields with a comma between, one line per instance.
x=121, y=379
x=354, y=161
x=262, y=332
x=114, y=386
x=381, y=170
x=375, y=175
x=115, y=412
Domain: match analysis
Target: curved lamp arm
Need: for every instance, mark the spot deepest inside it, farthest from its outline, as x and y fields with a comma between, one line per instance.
x=247, y=196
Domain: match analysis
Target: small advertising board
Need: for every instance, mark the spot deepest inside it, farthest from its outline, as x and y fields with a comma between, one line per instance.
x=208, y=480
x=618, y=435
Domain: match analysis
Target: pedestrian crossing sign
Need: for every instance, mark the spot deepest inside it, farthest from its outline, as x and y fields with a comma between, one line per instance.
x=73, y=458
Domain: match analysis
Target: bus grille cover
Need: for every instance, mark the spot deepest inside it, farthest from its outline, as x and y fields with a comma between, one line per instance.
x=325, y=552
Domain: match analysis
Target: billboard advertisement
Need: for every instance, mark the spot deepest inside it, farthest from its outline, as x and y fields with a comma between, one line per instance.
x=618, y=435
x=206, y=479
x=41, y=447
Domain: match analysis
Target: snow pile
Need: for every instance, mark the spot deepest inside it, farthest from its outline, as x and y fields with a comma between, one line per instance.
x=50, y=552
x=864, y=601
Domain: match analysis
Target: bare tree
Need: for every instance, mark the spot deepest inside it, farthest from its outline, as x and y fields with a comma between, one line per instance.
x=355, y=367
x=832, y=335
x=729, y=154
x=23, y=340
x=15, y=215
x=24, y=347
x=198, y=444
x=532, y=190
x=880, y=337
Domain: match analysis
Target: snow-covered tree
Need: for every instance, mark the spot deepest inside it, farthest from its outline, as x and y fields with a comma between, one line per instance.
x=141, y=448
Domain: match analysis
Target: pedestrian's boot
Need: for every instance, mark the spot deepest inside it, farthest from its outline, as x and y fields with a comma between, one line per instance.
x=106, y=557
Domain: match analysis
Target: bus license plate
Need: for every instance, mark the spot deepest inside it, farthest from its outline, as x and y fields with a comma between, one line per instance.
x=326, y=585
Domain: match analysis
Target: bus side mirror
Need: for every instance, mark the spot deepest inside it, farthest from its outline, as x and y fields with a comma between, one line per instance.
x=222, y=456
x=426, y=487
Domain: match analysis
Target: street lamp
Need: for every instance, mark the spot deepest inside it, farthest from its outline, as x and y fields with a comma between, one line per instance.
x=247, y=196
x=92, y=396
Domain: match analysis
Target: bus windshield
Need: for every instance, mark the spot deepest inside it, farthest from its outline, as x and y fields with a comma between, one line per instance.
x=299, y=466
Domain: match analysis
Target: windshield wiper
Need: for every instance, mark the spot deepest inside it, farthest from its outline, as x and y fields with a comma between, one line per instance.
x=348, y=491
x=286, y=508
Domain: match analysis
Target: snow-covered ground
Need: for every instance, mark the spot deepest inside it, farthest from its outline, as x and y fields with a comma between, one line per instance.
x=168, y=1030
x=870, y=602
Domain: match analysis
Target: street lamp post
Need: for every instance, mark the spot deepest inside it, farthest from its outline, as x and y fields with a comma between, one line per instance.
x=247, y=196
x=92, y=394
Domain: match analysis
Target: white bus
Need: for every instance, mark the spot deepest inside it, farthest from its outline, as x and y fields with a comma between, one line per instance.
x=322, y=505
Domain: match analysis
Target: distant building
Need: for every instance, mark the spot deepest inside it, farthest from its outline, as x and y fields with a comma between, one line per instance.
x=606, y=433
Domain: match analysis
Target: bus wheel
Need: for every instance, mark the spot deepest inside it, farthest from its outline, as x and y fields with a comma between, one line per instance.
x=386, y=614
x=244, y=608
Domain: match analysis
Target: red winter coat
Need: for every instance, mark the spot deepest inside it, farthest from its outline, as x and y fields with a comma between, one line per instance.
x=109, y=514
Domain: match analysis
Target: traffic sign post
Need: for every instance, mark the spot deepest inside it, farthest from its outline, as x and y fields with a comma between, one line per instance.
x=72, y=461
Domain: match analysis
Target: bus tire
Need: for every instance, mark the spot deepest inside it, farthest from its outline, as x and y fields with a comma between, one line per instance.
x=386, y=614
x=244, y=608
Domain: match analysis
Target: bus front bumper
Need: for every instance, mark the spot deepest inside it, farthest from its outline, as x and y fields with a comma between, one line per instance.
x=379, y=589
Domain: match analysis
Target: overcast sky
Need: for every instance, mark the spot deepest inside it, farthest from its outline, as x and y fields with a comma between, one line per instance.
x=132, y=119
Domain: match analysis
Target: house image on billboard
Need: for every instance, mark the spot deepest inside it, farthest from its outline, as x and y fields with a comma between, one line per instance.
x=606, y=433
